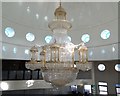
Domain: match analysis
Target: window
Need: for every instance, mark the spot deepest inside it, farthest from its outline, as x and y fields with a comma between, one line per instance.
x=74, y=88
x=102, y=88
x=48, y=39
x=9, y=32
x=117, y=67
x=30, y=37
x=118, y=89
x=105, y=34
x=85, y=38
x=101, y=67
x=87, y=88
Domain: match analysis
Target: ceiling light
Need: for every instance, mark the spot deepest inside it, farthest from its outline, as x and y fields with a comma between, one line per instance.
x=57, y=59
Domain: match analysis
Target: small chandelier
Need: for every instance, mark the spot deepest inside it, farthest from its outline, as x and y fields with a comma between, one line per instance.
x=57, y=59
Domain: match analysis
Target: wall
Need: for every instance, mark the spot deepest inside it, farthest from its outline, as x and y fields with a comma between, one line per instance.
x=110, y=75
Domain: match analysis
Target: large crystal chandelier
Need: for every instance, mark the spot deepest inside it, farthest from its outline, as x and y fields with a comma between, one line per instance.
x=57, y=59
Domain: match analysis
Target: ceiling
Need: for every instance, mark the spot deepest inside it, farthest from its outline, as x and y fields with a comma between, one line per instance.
x=86, y=17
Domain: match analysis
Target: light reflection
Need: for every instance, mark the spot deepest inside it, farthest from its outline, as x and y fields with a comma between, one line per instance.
x=28, y=9
x=14, y=50
x=103, y=51
x=26, y=51
x=30, y=83
x=37, y=16
x=72, y=20
x=4, y=86
x=113, y=49
x=46, y=18
x=91, y=53
x=4, y=48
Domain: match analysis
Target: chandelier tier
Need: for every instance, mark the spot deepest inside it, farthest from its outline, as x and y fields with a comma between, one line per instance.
x=57, y=59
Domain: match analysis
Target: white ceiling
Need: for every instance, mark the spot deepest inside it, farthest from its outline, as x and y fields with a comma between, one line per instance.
x=88, y=17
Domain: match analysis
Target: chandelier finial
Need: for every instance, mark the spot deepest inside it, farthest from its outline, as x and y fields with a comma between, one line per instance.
x=60, y=2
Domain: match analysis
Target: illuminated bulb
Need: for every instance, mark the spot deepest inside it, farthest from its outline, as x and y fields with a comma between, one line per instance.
x=4, y=86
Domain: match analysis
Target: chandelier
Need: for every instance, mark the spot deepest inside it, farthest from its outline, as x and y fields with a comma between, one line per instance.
x=57, y=59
